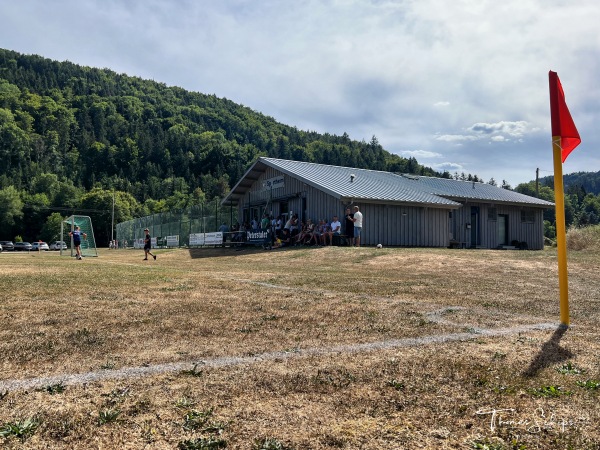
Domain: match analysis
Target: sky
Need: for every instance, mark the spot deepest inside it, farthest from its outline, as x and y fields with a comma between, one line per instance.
x=460, y=85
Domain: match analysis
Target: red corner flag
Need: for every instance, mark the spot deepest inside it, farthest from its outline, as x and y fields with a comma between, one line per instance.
x=562, y=122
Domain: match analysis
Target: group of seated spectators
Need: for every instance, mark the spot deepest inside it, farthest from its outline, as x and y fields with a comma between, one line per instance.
x=296, y=232
x=293, y=231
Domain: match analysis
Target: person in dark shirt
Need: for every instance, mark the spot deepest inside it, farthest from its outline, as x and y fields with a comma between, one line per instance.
x=285, y=241
x=148, y=245
x=349, y=226
x=76, y=235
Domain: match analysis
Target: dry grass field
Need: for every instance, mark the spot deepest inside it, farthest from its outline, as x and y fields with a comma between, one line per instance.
x=305, y=348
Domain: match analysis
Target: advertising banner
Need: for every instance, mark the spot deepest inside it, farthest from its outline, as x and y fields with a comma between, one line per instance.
x=173, y=241
x=215, y=238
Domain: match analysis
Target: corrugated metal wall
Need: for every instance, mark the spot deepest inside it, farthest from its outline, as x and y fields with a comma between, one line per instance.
x=383, y=224
x=488, y=225
x=402, y=225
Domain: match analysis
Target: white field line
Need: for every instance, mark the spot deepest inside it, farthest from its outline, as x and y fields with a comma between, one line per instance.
x=224, y=361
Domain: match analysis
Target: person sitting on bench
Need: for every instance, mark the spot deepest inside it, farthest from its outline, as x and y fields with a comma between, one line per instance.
x=306, y=233
x=285, y=240
x=315, y=236
x=336, y=229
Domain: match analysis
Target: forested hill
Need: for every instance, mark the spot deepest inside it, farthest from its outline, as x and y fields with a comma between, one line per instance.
x=96, y=128
x=588, y=182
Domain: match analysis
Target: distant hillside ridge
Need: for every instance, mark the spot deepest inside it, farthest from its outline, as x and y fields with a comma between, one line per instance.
x=588, y=181
x=98, y=128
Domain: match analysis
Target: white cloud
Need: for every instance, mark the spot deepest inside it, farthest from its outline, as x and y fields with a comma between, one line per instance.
x=455, y=138
x=502, y=131
x=423, y=154
x=448, y=166
x=355, y=66
x=515, y=129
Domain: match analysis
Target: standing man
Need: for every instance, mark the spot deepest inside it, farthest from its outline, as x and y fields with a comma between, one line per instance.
x=76, y=236
x=349, y=226
x=148, y=245
x=358, y=220
x=265, y=222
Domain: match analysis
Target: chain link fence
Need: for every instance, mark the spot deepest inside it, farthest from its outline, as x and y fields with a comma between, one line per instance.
x=203, y=218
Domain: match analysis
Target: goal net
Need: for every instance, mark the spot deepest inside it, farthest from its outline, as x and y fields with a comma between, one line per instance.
x=88, y=243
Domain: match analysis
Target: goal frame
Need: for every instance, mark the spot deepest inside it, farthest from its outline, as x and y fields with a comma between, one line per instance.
x=88, y=245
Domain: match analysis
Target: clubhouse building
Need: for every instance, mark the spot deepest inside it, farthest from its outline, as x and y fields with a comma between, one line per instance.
x=398, y=209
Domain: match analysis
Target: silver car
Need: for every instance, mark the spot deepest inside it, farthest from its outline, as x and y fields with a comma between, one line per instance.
x=22, y=246
x=39, y=246
x=7, y=246
x=58, y=245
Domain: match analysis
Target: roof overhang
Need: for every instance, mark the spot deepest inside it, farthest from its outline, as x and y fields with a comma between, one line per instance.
x=241, y=188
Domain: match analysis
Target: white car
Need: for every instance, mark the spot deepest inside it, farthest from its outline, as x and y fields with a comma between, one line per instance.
x=39, y=246
x=58, y=245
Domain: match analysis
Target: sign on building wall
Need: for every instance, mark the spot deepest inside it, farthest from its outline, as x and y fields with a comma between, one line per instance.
x=273, y=183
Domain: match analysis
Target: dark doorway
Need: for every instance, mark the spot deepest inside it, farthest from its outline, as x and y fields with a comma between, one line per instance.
x=475, y=239
x=502, y=229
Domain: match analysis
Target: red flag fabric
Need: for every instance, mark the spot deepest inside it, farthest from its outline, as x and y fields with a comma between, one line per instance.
x=562, y=122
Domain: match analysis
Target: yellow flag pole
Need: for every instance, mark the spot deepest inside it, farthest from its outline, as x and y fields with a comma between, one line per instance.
x=561, y=232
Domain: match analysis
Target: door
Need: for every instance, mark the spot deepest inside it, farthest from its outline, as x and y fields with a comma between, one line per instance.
x=475, y=226
x=502, y=229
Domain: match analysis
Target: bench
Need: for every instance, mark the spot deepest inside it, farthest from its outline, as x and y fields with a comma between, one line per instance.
x=340, y=240
x=457, y=244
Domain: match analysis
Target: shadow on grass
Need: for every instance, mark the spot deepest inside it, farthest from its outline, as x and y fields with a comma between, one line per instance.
x=550, y=353
x=212, y=252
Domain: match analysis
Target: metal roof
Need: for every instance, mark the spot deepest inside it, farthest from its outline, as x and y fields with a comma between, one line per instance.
x=469, y=190
x=373, y=185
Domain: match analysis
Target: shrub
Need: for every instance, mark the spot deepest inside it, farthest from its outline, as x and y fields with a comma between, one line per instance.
x=586, y=238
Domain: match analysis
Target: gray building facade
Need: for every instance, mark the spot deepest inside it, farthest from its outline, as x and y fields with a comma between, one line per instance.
x=398, y=210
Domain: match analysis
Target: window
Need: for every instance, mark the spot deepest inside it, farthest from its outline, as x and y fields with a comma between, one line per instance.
x=527, y=215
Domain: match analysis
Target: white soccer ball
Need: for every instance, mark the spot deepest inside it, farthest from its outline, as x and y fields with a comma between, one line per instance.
x=379, y=246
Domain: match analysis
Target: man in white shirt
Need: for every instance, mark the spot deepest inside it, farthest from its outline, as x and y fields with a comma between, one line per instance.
x=336, y=229
x=358, y=220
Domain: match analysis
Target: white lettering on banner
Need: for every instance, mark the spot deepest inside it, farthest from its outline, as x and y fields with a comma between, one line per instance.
x=274, y=183
x=173, y=241
x=213, y=238
x=206, y=238
x=257, y=235
x=140, y=243
x=197, y=239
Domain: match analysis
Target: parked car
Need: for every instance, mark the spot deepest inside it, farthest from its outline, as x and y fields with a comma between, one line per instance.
x=39, y=246
x=0, y=248
x=58, y=245
x=7, y=246
x=22, y=246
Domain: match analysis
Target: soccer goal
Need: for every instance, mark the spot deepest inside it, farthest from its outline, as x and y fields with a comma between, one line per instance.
x=88, y=243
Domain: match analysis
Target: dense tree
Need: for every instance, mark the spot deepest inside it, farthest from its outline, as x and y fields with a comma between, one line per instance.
x=11, y=211
x=51, y=229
